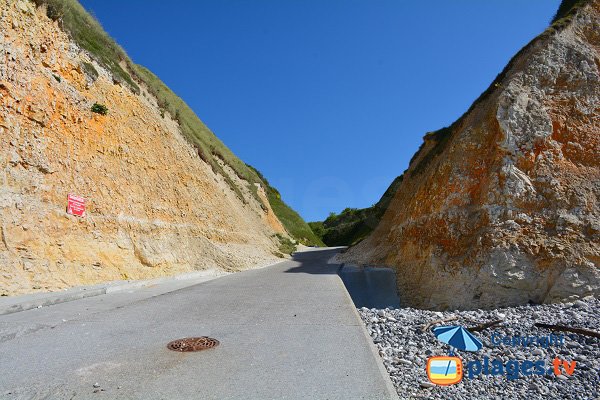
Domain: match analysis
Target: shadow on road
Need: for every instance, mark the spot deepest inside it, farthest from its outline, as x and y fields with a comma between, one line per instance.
x=315, y=262
x=369, y=287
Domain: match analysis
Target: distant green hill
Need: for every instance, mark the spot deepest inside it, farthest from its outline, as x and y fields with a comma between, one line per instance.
x=89, y=34
x=354, y=224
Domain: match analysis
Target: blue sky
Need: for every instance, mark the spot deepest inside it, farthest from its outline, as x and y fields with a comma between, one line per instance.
x=329, y=99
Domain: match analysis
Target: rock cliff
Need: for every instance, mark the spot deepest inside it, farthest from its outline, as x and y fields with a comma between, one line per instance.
x=154, y=207
x=501, y=208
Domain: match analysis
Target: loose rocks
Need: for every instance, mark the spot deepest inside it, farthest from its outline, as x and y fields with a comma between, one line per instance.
x=405, y=348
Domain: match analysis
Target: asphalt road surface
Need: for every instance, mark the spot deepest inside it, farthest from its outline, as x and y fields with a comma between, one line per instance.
x=288, y=331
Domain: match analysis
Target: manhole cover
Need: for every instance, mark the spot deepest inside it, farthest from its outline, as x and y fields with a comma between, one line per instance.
x=193, y=344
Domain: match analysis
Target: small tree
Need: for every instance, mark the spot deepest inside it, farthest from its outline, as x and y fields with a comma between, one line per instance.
x=100, y=109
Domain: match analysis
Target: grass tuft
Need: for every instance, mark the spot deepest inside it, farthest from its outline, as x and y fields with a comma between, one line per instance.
x=99, y=109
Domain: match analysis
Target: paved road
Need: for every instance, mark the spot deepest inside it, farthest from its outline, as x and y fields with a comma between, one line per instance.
x=289, y=331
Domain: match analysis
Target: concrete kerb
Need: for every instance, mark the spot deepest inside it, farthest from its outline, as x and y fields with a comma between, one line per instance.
x=384, y=374
x=9, y=305
x=13, y=304
x=201, y=276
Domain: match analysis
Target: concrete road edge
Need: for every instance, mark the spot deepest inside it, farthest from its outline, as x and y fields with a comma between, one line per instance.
x=384, y=374
x=14, y=304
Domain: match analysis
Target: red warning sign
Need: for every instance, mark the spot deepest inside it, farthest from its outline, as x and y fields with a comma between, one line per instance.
x=76, y=205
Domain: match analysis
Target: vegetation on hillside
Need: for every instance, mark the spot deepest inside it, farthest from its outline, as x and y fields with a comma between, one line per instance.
x=286, y=246
x=567, y=8
x=346, y=228
x=89, y=34
x=292, y=221
x=99, y=109
x=354, y=224
x=89, y=70
x=207, y=145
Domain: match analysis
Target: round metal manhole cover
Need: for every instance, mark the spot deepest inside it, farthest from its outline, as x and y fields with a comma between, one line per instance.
x=193, y=344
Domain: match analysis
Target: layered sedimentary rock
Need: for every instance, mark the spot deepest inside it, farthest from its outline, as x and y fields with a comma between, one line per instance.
x=153, y=206
x=502, y=207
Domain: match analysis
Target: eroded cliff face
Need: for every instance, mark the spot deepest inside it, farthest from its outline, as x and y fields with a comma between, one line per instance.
x=502, y=207
x=154, y=207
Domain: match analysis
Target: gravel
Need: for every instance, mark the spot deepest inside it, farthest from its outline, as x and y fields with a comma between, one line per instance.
x=404, y=348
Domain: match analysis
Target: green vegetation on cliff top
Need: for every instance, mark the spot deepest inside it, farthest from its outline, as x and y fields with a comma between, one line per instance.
x=354, y=224
x=88, y=33
x=567, y=8
x=90, y=36
x=292, y=221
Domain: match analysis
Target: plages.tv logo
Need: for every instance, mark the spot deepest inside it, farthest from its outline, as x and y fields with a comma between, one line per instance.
x=444, y=370
x=449, y=370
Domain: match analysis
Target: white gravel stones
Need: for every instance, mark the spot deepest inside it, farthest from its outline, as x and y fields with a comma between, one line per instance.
x=404, y=349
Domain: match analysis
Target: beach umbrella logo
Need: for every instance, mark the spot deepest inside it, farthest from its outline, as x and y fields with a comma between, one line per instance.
x=458, y=338
x=448, y=370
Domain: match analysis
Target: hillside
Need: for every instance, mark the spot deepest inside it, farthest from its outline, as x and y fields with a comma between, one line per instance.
x=163, y=194
x=501, y=208
x=90, y=36
x=353, y=224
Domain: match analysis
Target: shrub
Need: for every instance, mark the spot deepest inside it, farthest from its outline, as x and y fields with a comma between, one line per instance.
x=286, y=246
x=100, y=109
x=54, y=11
